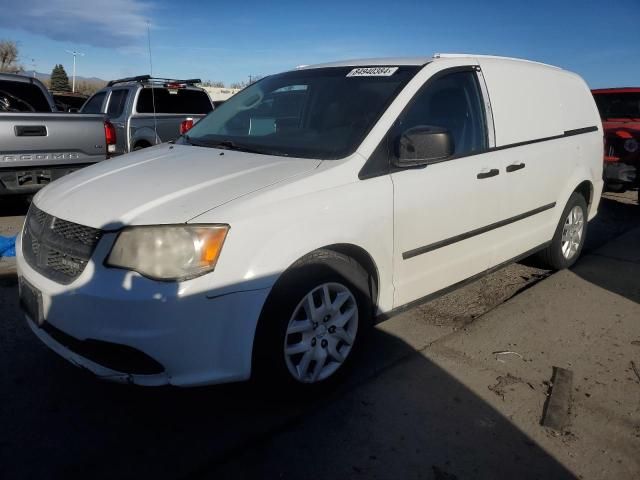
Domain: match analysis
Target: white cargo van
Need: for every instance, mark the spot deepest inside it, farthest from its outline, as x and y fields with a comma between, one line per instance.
x=265, y=240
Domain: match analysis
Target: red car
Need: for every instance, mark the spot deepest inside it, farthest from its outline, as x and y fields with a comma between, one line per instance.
x=620, y=112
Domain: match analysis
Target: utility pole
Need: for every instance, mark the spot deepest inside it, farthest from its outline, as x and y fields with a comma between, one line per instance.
x=33, y=65
x=73, y=81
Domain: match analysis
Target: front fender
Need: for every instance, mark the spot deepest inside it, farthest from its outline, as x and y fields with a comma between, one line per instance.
x=270, y=231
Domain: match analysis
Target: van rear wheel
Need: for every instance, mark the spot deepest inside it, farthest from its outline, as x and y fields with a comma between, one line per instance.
x=569, y=237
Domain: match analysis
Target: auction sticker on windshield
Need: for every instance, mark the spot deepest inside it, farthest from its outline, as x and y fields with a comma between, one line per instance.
x=372, y=72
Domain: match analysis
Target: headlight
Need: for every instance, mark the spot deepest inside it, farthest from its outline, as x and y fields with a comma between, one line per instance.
x=172, y=252
x=631, y=145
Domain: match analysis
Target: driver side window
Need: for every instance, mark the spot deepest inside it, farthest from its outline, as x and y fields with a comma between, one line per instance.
x=452, y=102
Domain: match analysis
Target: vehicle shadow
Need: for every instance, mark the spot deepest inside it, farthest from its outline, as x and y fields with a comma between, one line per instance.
x=13, y=205
x=613, y=266
x=616, y=215
x=396, y=415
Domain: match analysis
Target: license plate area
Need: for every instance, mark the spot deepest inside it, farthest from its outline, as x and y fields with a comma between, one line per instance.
x=27, y=178
x=31, y=301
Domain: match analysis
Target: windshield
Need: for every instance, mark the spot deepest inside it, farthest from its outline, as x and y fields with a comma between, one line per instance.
x=320, y=113
x=618, y=105
x=165, y=100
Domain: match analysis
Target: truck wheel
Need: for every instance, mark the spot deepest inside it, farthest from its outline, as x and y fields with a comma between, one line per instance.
x=313, y=322
x=569, y=237
x=140, y=146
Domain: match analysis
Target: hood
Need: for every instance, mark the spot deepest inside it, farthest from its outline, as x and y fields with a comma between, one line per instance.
x=162, y=185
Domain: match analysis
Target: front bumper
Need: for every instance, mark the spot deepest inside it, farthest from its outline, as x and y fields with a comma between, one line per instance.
x=197, y=336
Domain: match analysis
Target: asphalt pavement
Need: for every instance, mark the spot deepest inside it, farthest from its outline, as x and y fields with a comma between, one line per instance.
x=428, y=398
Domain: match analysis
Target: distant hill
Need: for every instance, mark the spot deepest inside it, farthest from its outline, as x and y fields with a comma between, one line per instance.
x=46, y=76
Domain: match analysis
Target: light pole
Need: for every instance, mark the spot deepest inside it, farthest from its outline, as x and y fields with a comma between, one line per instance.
x=73, y=81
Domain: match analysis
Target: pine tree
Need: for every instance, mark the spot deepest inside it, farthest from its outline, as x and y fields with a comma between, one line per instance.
x=59, y=80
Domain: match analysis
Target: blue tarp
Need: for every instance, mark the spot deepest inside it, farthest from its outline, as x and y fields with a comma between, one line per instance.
x=7, y=246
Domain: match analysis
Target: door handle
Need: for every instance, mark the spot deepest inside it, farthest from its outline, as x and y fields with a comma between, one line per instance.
x=30, y=130
x=515, y=166
x=490, y=173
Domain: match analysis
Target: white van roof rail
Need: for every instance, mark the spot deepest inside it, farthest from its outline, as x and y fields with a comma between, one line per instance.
x=497, y=57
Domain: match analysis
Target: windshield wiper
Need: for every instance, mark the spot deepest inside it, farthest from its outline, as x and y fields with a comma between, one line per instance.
x=196, y=143
x=229, y=145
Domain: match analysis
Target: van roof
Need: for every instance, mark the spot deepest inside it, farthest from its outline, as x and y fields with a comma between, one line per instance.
x=418, y=61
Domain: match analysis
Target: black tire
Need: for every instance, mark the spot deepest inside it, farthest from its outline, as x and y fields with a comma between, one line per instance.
x=616, y=187
x=552, y=256
x=140, y=146
x=269, y=365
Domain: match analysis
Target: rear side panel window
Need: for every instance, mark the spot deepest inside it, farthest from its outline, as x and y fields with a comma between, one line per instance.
x=173, y=101
x=454, y=102
x=22, y=97
x=94, y=104
x=117, y=102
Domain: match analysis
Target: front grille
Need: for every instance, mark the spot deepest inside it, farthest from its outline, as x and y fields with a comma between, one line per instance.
x=76, y=233
x=57, y=248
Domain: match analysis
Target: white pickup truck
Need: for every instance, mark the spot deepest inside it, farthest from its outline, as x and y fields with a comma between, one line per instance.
x=38, y=144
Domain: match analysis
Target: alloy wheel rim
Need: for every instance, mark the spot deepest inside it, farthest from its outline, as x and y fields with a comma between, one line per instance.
x=321, y=333
x=572, y=232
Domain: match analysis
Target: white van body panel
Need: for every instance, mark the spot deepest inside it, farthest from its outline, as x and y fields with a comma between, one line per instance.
x=538, y=105
x=280, y=225
x=280, y=209
x=534, y=101
x=200, y=179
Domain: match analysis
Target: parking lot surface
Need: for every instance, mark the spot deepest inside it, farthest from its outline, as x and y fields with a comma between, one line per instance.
x=428, y=398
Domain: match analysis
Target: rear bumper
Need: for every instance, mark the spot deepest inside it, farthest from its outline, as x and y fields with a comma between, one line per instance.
x=618, y=172
x=28, y=180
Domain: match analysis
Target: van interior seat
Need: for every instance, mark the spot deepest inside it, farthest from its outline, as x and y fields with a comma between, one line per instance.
x=449, y=109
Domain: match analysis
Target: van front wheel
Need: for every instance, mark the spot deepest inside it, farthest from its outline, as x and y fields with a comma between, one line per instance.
x=313, y=322
x=569, y=237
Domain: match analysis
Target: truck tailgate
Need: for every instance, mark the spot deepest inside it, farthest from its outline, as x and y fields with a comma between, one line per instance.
x=30, y=140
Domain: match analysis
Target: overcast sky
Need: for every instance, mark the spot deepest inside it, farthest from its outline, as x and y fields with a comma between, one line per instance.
x=231, y=40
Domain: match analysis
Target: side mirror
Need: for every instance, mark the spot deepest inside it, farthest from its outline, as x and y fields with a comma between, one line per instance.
x=422, y=145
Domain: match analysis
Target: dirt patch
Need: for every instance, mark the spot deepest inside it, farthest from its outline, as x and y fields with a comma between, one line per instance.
x=503, y=382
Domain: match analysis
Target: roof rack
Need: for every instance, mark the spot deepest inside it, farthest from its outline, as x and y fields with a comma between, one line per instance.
x=150, y=79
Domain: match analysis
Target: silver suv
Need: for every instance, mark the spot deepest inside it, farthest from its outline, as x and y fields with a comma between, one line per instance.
x=146, y=111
